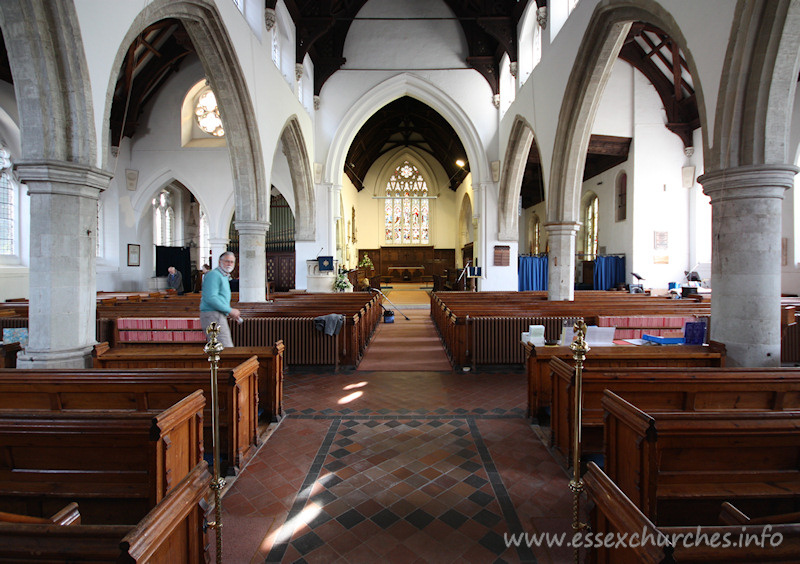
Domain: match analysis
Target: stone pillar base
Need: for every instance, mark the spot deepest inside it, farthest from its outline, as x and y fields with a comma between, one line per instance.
x=71, y=358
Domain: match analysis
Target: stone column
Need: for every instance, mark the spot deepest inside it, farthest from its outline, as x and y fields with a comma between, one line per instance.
x=218, y=246
x=63, y=286
x=561, y=262
x=252, y=260
x=746, y=260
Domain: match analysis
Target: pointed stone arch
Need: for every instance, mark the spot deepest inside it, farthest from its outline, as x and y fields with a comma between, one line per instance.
x=215, y=50
x=597, y=53
x=757, y=87
x=519, y=145
x=294, y=147
x=406, y=85
x=51, y=80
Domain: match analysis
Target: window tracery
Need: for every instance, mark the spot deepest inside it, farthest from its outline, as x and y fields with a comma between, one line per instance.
x=406, y=208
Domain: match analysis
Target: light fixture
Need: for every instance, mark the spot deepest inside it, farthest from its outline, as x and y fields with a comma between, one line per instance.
x=461, y=165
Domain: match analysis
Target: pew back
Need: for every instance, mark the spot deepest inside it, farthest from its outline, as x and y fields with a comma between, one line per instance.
x=146, y=390
x=699, y=456
x=116, y=465
x=172, y=532
x=270, y=365
x=615, y=514
x=665, y=389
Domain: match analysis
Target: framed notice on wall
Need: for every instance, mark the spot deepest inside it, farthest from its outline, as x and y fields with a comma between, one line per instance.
x=660, y=240
x=502, y=255
x=133, y=255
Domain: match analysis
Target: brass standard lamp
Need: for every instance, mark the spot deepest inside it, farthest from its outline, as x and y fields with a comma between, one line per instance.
x=212, y=349
x=579, y=349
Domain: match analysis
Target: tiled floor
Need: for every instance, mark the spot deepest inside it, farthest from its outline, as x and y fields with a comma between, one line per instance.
x=398, y=467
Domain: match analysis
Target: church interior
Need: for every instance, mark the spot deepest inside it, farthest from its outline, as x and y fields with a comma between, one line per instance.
x=515, y=277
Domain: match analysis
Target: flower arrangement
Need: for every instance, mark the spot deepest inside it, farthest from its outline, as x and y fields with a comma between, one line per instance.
x=366, y=262
x=341, y=284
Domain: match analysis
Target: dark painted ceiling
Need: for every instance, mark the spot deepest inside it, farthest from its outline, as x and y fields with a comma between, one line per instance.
x=406, y=122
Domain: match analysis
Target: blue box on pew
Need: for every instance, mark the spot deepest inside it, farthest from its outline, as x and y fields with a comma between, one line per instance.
x=664, y=340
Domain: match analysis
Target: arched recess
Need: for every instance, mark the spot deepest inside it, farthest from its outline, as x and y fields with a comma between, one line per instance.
x=51, y=80
x=519, y=145
x=758, y=87
x=600, y=46
x=294, y=147
x=406, y=85
x=210, y=38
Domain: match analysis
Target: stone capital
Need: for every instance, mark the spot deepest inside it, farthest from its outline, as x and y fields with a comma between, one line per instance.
x=270, y=18
x=747, y=182
x=562, y=229
x=61, y=177
x=252, y=227
x=541, y=16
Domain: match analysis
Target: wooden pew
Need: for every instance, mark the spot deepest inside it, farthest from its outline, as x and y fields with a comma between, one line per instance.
x=171, y=533
x=116, y=465
x=472, y=324
x=688, y=459
x=538, y=364
x=615, y=514
x=665, y=389
x=175, y=355
x=731, y=515
x=69, y=515
x=146, y=390
x=8, y=355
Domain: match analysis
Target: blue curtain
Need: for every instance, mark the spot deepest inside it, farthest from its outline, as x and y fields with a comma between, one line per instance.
x=532, y=272
x=608, y=272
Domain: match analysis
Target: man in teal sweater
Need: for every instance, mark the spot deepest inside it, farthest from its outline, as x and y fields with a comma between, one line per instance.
x=215, y=299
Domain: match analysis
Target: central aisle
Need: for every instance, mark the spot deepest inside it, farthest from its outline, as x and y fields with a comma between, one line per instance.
x=407, y=344
x=406, y=467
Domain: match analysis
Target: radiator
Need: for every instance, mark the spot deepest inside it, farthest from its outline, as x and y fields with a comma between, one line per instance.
x=12, y=323
x=496, y=340
x=304, y=344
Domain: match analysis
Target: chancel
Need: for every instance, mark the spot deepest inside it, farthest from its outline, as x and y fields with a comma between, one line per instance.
x=582, y=211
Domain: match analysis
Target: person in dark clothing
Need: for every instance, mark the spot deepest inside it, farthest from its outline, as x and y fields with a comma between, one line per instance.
x=175, y=280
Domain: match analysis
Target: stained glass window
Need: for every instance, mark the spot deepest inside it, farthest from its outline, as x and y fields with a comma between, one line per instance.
x=206, y=113
x=163, y=220
x=590, y=241
x=406, y=210
x=7, y=205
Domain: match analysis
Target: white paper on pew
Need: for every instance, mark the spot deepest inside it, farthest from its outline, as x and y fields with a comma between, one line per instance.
x=536, y=335
x=600, y=336
x=635, y=341
x=535, y=341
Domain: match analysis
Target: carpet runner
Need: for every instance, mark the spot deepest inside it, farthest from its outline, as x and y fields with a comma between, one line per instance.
x=406, y=345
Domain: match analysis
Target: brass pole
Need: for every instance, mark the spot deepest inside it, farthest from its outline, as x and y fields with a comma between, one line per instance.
x=213, y=348
x=579, y=349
